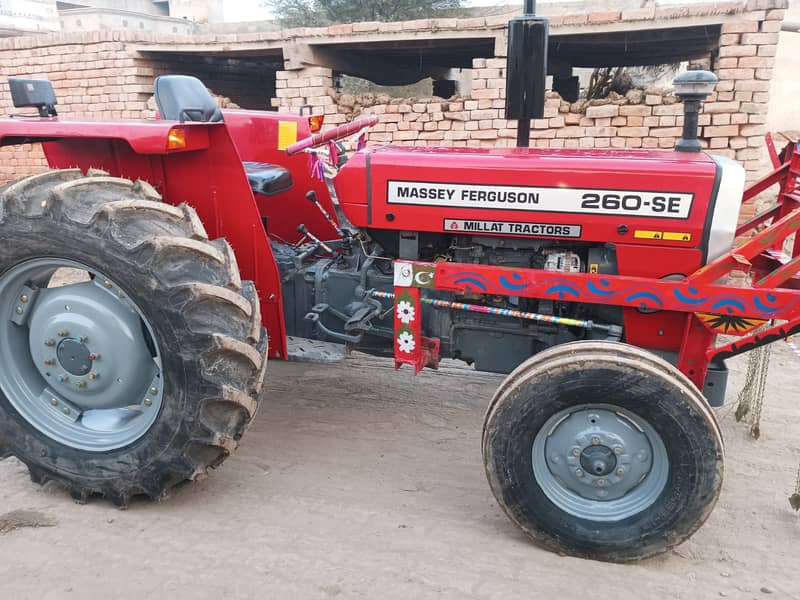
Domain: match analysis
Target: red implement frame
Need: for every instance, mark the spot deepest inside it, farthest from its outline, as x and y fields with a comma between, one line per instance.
x=709, y=307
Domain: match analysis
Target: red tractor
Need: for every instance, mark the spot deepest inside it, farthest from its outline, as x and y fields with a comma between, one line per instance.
x=133, y=353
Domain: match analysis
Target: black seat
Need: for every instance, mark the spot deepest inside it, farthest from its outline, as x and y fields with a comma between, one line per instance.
x=185, y=98
x=267, y=179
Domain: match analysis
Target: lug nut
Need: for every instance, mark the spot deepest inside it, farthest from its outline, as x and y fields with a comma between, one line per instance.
x=576, y=452
x=63, y=333
x=23, y=298
x=50, y=342
x=620, y=472
x=595, y=441
x=153, y=391
x=53, y=402
x=617, y=450
x=19, y=310
x=94, y=376
x=120, y=295
x=65, y=410
x=601, y=483
x=107, y=284
x=148, y=402
x=579, y=472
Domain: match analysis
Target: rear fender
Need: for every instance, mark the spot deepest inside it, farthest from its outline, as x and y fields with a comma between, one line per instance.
x=207, y=174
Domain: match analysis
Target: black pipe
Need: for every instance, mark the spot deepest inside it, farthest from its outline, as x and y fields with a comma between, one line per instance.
x=530, y=7
x=689, y=141
x=524, y=125
x=526, y=70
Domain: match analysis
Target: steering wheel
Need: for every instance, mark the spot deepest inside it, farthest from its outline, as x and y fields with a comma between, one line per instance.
x=337, y=133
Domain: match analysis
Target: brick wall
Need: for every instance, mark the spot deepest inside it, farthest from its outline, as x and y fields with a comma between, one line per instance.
x=732, y=119
x=104, y=75
x=94, y=77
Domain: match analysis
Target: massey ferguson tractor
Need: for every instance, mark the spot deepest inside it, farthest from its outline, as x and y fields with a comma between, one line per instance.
x=146, y=278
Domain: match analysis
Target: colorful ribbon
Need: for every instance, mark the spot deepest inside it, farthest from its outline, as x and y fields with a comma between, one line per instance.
x=503, y=312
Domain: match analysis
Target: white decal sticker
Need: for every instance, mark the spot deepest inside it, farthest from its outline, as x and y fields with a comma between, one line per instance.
x=403, y=275
x=669, y=205
x=512, y=228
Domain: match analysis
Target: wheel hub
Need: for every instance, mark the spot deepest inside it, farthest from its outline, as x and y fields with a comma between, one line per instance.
x=599, y=462
x=79, y=361
x=74, y=357
x=88, y=342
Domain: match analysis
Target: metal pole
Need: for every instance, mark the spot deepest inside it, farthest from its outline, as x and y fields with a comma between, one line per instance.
x=524, y=125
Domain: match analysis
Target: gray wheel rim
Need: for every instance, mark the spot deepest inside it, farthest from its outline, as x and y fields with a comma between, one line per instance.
x=600, y=462
x=80, y=361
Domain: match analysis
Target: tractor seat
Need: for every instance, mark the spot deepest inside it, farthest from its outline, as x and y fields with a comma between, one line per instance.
x=267, y=179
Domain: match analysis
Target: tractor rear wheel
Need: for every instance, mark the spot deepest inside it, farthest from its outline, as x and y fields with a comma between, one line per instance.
x=132, y=353
x=603, y=450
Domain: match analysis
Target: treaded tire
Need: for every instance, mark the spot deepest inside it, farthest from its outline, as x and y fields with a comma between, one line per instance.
x=206, y=322
x=637, y=381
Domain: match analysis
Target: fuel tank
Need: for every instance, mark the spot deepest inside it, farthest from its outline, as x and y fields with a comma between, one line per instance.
x=635, y=197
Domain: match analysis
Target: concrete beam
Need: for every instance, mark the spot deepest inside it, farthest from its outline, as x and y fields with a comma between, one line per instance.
x=380, y=71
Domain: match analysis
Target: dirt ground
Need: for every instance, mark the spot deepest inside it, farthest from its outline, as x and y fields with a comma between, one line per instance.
x=359, y=482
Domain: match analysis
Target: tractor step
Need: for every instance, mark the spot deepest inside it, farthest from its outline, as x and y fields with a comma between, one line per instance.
x=307, y=350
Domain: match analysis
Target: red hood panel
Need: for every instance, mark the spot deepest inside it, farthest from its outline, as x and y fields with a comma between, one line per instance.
x=628, y=196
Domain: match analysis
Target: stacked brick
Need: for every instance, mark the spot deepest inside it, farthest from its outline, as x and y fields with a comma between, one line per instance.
x=746, y=59
x=98, y=78
x=732, y=119
x=641, y=119
x=296, y=91
x=105, y=75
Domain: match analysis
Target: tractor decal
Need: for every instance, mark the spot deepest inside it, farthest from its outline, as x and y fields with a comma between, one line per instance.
x=559, y=199
x=512, y=228
x=729, y=324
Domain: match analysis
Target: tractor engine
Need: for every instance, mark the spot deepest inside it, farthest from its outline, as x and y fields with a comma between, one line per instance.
x=330, y=298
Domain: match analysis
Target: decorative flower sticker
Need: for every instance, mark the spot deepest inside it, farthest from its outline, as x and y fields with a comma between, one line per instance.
x=406, y=342
x=405, y=312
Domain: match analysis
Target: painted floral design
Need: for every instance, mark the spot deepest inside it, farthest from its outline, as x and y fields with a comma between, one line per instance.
x=405, y=312
x=406, y=342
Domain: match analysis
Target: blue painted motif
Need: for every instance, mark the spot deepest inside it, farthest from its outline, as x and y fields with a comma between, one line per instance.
x=513, y=286
x=727, y=303
x=685, y=299
x=646, y=295
x=563, y=290
x=596, y=290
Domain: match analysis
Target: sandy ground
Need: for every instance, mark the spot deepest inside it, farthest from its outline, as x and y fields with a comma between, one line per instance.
x=359, y=482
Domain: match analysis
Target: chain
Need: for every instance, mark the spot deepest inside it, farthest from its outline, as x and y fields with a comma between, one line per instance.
x=751, y=398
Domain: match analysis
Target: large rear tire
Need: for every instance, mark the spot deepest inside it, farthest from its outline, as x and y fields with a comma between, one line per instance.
x=145, y=368
x=603, y=450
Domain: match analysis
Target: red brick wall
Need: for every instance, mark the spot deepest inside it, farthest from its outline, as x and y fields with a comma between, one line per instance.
x=103, y=75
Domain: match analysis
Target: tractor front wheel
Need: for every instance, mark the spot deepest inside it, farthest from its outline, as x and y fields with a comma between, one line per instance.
x=603, y=450
x=132, y=354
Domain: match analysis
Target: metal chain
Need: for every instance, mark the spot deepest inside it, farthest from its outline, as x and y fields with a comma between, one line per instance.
x=751, y=398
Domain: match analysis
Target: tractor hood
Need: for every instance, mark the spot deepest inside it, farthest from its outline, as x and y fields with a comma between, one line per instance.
x=622, y=196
